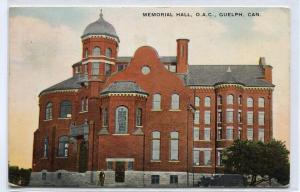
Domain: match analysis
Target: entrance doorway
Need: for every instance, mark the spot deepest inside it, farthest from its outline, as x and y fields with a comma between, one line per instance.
x=83, y=157
x=120, y=172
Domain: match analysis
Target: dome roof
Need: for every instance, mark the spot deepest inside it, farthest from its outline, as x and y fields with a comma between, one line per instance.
x=100, y=27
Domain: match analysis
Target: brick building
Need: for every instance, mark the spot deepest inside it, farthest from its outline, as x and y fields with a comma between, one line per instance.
x=145, y=120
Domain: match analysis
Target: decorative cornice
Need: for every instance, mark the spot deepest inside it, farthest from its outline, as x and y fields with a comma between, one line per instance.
x=98, y=60
x=228, y=85
x=101, y=36
x=124, y=94
x=59, y=91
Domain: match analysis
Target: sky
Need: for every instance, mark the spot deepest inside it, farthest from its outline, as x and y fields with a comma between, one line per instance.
x=45, y=42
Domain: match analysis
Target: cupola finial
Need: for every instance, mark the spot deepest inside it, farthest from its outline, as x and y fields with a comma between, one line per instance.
x=101, y=14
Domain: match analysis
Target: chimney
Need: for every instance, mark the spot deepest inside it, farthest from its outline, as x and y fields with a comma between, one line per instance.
x=267, y=69
x=182, y=55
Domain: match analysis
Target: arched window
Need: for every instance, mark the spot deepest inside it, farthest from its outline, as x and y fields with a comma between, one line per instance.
x=249, y=102
x=174, y=146
x=48, y=115
x=86, y=53
x=197, y=101
x=105, y=117
x=240, y=100
x=139, y=117
x=86, y=104
x=121, y=120
x=261, y=102
x=63, y=146
x=207, y=102
x=82, y=104
x=46, y=147
x=229, y=99
x=219, y=100
x=175, y=102
x=65, y=109
x=108, y=52
x=155, y=145
x=96, y=51
x=156, y=102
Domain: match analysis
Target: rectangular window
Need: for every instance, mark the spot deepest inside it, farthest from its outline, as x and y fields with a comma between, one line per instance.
x=197, y=101
x=261, y=118
x=130, y=165
x=139, y=117
x=120, y=67
x=196, y=133
x=107, y=69
x=197, y=117
x=85, y=69
x=172, y=68
x=219, y=117
x=154, y=179
x=250, y=118
x=240, y=133
x=261, y=134
x=109, y=165
x=155, y=149
x=207, y=117
x=196, y=157
x=174, y=150
x=95, y=68
x=240, y=117
x=44, y=176
x=219, y=158
x=229, y=116
x=229, y=133
x=219, y=134
x=207, y=157
x=250, y=134
x=173, y=179
x=207, y=134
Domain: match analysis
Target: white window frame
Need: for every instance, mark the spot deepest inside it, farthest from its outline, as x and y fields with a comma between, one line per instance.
x=207, y=101
x=261, y=118
x=175, y=101
x=230, y=99
x=249, y=117
x=207, y=134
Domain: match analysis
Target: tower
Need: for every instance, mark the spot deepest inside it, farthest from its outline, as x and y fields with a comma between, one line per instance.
x=99, y=49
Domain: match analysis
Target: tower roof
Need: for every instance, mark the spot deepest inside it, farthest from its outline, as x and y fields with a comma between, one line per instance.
x=100, y=27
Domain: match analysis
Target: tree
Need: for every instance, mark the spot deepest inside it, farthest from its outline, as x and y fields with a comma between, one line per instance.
x=261, y=161
x=19, y=176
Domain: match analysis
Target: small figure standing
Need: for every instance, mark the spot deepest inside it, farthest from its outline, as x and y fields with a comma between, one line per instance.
x=101, y=177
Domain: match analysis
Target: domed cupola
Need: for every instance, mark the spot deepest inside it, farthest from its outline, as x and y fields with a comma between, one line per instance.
x=100, y=27
x=100, y=44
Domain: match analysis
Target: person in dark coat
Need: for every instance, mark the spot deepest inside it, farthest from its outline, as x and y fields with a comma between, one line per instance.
x=101, y=177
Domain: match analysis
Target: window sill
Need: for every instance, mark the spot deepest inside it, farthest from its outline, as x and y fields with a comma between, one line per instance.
x=44, y=158
x=82, y=112
x=204, y=166
x=156, y=110
x=121, y=134
x=45, y=120
x=155, y=161
x=175, y=110
x=220, y=166
x=174, y=161
x=64, y=118
x=61, y=157
x=139, y=126
x=203, y=140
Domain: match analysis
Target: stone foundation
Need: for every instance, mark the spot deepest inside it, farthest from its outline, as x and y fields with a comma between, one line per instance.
x=62, y=178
